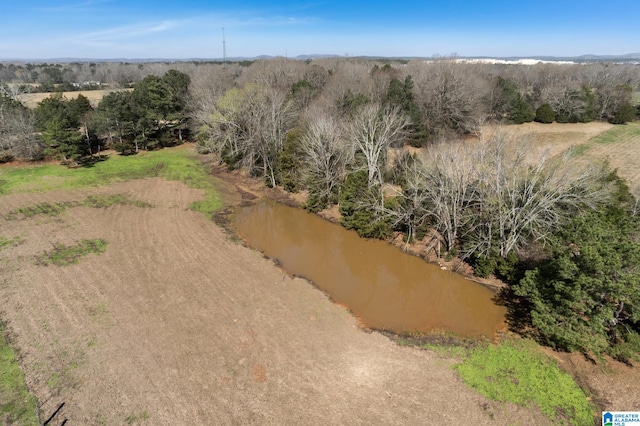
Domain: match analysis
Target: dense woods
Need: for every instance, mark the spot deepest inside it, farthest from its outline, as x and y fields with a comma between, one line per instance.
x=389, y=143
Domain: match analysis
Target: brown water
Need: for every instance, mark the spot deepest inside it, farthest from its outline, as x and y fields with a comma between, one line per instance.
x=385, y=288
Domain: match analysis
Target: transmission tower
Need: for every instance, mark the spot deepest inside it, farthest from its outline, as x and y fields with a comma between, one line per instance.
x=224, y=49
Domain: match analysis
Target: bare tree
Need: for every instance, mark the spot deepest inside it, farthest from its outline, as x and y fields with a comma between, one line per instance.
x=12, y=90
x=448, y=172
x=248, y=124
x=450, y=94
x=347, y=76
x=517, y=200
x=411, y=210
x=373, y=130
x=279, y=73
x=272, y=120
x=17, y=134
x=208, y=84
x=327, y=157
x=567, y=101
x=496, y=198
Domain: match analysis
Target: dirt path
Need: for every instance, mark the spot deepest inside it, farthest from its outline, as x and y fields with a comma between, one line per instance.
x=176, y=324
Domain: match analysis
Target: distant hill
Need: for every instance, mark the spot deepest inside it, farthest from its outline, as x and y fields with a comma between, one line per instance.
x=627, y=57
x=602, y=57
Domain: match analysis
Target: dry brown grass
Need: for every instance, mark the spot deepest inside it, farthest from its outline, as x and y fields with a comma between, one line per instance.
x=593, y=142
x=31, y=100
x=553, y=138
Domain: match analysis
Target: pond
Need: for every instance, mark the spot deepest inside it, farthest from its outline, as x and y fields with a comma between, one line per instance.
x=384, y=287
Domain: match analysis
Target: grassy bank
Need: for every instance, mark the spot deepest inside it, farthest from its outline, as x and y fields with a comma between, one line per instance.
x=172, y=164
x=17, y=405
x=513, y=371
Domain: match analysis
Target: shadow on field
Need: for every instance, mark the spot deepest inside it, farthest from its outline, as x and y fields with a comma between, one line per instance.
x=92, y=161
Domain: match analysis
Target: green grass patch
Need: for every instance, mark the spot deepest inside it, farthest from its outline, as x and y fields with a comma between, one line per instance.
x=579, y=150
x=6, y=242
x=63, y=255
x=17, y=405
x=617, y=133
x=136, y=418
x=55, y=209
x=108, y=200
x=171, y=164
x=515, y=372
x=40, y=209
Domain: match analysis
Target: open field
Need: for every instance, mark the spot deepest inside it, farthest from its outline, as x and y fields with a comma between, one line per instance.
x=595, y=141
x=553, y=138
x=174, y=323
x=31, y=100
x=621, y=146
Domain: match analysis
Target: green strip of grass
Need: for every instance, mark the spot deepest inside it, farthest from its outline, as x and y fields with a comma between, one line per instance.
x=17, y=405
x=63, y=255
x=55, y=209
x=6, y=242
x=108, y=200
x=171, y=164
x=40, y=209
x=515, y=372
x=616, y=133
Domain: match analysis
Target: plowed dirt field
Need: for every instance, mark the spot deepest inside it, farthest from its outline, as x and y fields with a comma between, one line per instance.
x=176, y=324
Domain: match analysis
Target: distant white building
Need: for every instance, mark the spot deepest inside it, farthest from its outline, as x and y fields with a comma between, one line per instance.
x=521, y=61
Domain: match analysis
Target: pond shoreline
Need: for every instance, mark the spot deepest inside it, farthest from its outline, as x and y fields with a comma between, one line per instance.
x=386, y=288
x=249, y=190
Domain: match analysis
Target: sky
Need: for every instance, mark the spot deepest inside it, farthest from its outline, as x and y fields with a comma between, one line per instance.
x=139, y=29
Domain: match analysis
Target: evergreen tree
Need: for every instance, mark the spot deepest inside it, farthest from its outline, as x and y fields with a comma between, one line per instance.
x=59, y=120
x=625, y=113
x=400, y=94
x=64, y=141
x=521, y=111
x=351, y=102
x=355, y=207
x=511, y=104
x=115, y=117
x=545, y=114
x=590, y=109
x=586, y=297
x=289, y=163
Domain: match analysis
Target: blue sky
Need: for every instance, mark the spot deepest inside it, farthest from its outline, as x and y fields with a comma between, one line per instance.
x=40, y=29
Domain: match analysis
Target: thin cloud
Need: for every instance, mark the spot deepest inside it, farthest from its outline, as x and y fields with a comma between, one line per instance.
x=126, y=32
x=72, y=6
x=272, y=21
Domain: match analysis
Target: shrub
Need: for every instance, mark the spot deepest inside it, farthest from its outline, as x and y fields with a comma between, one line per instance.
x=355, y=204
x=545, y=114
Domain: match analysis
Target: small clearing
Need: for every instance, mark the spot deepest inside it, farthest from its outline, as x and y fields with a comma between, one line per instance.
x=31, y=100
